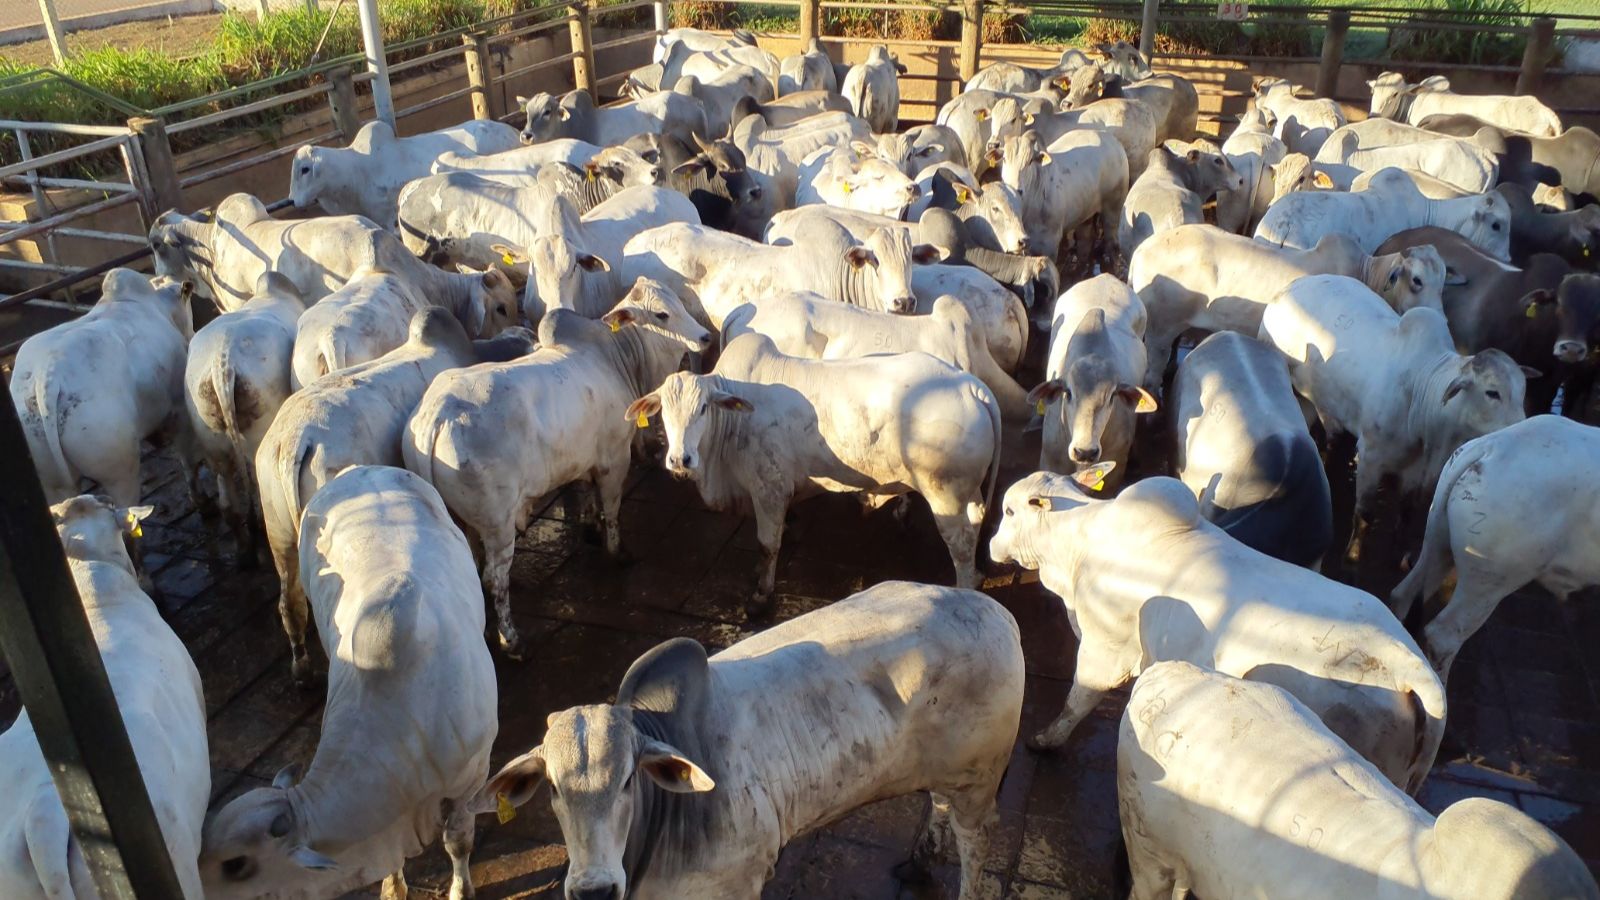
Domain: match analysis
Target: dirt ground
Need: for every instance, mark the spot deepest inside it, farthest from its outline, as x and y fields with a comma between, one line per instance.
x=176, y=36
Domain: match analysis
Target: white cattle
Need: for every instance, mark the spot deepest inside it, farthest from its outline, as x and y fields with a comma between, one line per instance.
x=680, y=60
x=719, y=94
x=158, y=692
x=1390, y=204
x=371, y=316
x=1512, y=508
x=1172, y=191
x=698, y=40
x=1371, y=134
x=714, y=272
x=1092, y=374
x=228, y=255
x=1393, y=98
x=1269, y=171
x=89, y=390
x=722, y=790
x=921, y=146
x=1431, y=187
x=1000, y=316
x=1188, y=591
x=810, y=326
x=352, y=418
x=1302, y=125
x=460, y=216
x=855, y=178
x=1242, y=447
x=991, y=215
x=873, y=89
x=1124, y=60
x=365, y=178
x=1199, y=276
x=808, y=71
x=410, y=717
x=637, y=161
x=237, y=376
x=1462, y=164
x=575, y=264
x=519, y=163
x=766, y=429
x=494, y=439
x=1174, y=101
x=574, y=115
x=1233, y=789
x=1133, y=124
x=1013, y=78
x=779, y=152
x=1081, y=175
x=1393, y=381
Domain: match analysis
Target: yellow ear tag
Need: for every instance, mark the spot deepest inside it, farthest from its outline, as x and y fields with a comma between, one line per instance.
x=846, y=186
x=508, y=259
x=1040, y=406
x=1098, y=485
x=503, y=810
x=590, y=171
x=615, y=326
x=134, y=528
x=1533, y=311
x=1586, y=252
x=643, y=421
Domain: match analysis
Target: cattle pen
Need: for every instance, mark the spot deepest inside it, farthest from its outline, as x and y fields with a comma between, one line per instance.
x=77, y=199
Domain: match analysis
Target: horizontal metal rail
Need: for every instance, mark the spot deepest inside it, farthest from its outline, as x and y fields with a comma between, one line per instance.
x=43, y=225
x=64, y=127
x=436, y=101
x=68, y=183
x=250, y=161
x=623, y=42
x=248, y=108
x=534, y=67
x=61, y=156
x=42, y=291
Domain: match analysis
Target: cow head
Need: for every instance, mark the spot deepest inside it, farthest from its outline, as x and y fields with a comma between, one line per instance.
x=1083, y=86
x=1411, y=278
x=1578, y=310
x=1583, y=235
x=915, y=149
x=994, y=214
x=688, y=404
x=557, y=268
x=653, y=306
x=1487, y=224
x=597, y=762
x=491, y=303
x=1089, y=392
x=257, y=845
x=1124, y=60
x=168, y=296
x=546, y=117
x=1007, y=118
x=856, y=178
x=308, y=176
x=94, y=529
x=721, y=162
x=1295, y=172
x=177, y=242
x=1486, y=393
x=1257, y=120
x=624, y=166
x=1391, y=96
x=889, y=255
x=1212, y=171
x=1029, y=502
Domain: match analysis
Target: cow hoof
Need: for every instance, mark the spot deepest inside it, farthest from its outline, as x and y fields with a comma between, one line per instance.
x=1042, y=743
x=912, y=871
x=513, y=648
x=759, y=606
x=304, y=678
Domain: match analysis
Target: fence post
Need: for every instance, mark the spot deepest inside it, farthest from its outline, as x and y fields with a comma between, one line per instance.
x=1332, y=52
x=971, y=38
x=52, y=28
x=1147, y=29
x=582, y=47
x=661, y=16
x=810, y=22
x=1537, y=54
x=342, y=101
x=159, y=166
x=480, y=76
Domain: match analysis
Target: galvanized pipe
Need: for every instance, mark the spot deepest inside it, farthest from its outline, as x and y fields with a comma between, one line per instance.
x=372, y=40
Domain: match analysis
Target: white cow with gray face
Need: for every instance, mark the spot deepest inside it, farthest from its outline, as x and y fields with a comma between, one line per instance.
x=1233, y=789
x=685, y=788
x=410, y=716
x=1179, y=587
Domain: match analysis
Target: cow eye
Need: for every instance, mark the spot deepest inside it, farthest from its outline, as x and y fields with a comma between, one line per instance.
x=661, y=316
x=1492, y=395
x=1008, y=510
x=1495, y=226
x=238, y=868
x=305, y=170
x=703, y=408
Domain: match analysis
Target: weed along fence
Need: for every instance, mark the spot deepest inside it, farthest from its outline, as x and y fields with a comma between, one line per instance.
x=77, y=198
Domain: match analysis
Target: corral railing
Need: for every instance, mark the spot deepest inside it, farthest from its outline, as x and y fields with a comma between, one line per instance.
x=218, y=136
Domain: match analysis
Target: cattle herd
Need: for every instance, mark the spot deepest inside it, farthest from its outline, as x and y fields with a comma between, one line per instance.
x=748, y=273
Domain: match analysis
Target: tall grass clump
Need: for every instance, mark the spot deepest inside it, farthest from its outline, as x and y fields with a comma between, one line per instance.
x=1426, y=43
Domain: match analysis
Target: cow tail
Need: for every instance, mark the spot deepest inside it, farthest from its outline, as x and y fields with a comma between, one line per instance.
x=1433, y=560
x=992, y=407
x=223, y=378
x=44, y=397
x=330, y=354
x=421, y=450
x=289, y=468
x=858, y=97
x=1428, y=710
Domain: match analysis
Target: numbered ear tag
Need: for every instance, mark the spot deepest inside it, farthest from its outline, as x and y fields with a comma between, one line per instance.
x=1040, y=406
x=508, y=259
x=1533, y=310
x=643, y=421
x=503, y=810
x=615, y=326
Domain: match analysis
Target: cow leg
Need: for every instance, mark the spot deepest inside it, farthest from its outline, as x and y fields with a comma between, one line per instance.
x=1158, y=343
x=295, y=611
x=1097, y=673
x=769, y=513
x=1476, y=597
x=459, y=834
x=960, y=535
x=1370, y=470
x=394, y=887
x=499, y=543
x=972, y=814
x=1153, y=878
x=608, y=484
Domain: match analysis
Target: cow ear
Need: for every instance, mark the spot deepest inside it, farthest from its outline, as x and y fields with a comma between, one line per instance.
x=1137, y=397
x=1321, y=180
x=1046, y=392
x=513, y=785
x=672, y=771
x=688, y=167
x=925, y=254
x=523, y=101
x=1044, y=158
x=730, y=402
x=286, y=777
x=1027, y=119
x=1530, y=373
x=643, y=409
x=307, y=858
x=1453, y=276
x=981, y=115
x=131, y=518
x=1094, y=477
x=860, y=256
x=862, y=148
x=622, y=315
x=565, y=113
x=1532, y=300
x=509, y=255
x=964, y=194
x=591, y=263
x=1455, y=387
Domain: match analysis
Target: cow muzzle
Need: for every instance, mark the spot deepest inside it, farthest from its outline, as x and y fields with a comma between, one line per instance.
x=904, y=306
x=526, y=138
x=1085, y=456
x=681, y=465
x=593, y=892
x=1571, y=351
